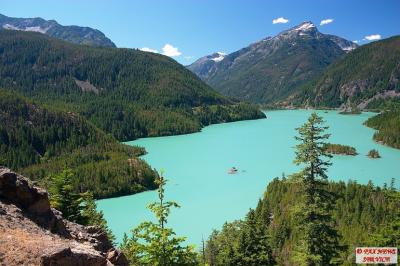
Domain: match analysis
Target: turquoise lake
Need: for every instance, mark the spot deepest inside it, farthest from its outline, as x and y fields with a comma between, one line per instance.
x=197, y=165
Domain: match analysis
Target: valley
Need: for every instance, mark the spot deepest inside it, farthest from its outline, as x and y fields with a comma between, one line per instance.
x=276, y=150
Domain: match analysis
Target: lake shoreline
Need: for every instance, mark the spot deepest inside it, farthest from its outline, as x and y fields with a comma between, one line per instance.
x=197, y=166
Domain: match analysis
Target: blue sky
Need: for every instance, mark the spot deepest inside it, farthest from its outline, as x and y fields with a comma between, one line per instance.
x=189, y=29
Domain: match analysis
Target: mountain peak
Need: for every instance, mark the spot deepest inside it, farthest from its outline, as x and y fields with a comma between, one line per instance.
x=270, y=69
x=306, y=28
x=307, y=25
x=218, y=56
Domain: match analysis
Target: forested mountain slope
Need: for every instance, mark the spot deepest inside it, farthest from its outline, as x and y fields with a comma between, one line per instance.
x=125, y=92
x=38, y=142
x=270, y=232
x=367, y=77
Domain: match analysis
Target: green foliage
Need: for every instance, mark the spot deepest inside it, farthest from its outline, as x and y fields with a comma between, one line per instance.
x=226, y=113
x=384, y=104
x=39, y=142
x=79, y=208
x=154, y=244
x=374, y=154
x=241, y=243
x=356, y=78
x=340, y=149
x=318, y=242
x=127, y=93
x=363, y=215
x=63, y=198
x=91, y=216
x=388, y=126
x=389, y=233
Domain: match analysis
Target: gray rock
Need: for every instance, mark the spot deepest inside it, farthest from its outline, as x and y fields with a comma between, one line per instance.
x=82, y=245
x=17, y=189
x=116, y=257
x=34, y=201
x=66, y=257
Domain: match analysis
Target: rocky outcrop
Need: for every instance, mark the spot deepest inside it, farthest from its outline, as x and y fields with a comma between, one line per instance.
x=66, y=256
x=32, y=200
x=116, y=257
x=39, y=235
x=381, y=95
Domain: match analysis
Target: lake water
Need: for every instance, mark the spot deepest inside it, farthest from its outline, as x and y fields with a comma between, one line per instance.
x=197, y=165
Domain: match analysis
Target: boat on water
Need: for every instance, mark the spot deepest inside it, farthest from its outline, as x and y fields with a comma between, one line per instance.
x=233, y=170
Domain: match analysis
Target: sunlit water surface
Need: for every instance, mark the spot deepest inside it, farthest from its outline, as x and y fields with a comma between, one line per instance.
x=197, y=165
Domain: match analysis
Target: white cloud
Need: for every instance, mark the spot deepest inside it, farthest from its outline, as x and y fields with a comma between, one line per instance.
x=356, y=41
x=280, y=20
x=373, y=37
x=326, y=21
x=147, y=49
x=171, y=51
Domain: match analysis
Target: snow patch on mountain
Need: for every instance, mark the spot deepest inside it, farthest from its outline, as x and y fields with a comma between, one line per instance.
x=220, y=57
x=348, y=49
x=305, y=26
x=9, y=27
x=34, y=29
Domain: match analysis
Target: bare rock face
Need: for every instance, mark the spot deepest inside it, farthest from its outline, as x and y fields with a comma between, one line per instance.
x=65, y=257
x=116, y=257
x=39, y=235
x=17, y=189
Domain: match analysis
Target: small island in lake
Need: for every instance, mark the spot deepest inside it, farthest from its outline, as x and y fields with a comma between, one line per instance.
x=340, y=149
x=374, y=154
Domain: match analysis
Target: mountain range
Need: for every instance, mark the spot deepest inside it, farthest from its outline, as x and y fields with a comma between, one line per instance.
x=73, y=34
x=273, y=68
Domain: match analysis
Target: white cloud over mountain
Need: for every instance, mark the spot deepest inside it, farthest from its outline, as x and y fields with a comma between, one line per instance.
x=147, y=49
x=170, y=50
x=373, y=37
x=326, y=21
x=280, y=20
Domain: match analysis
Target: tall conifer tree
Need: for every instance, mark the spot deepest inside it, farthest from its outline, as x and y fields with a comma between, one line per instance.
x=319, y=244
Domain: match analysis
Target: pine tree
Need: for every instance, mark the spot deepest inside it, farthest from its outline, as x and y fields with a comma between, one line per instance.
x=257, y=248
x=76, y=207
x=318, y=239
x=153, y=243
x=91, y=216
x=392, y=184
x=212, y=249
x=63, y=197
